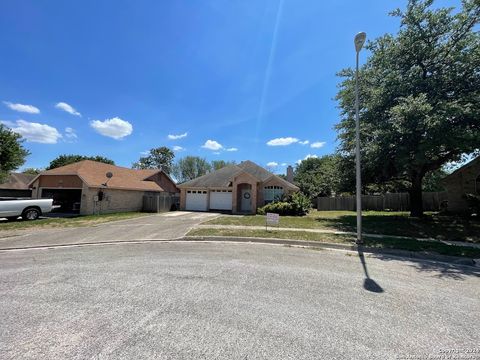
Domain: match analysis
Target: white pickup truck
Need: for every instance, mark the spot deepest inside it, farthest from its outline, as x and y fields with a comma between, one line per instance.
x=28, y=209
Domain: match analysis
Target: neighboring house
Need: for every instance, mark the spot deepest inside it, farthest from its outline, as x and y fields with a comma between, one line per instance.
x=16, y=185
x=465, y=180
x=237, y=188
x=91, y=187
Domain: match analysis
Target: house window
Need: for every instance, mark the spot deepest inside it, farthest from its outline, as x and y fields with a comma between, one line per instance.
x=272, y=193
x=477, y=185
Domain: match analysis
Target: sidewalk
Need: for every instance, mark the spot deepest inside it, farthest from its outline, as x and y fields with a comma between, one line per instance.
x=325, y=231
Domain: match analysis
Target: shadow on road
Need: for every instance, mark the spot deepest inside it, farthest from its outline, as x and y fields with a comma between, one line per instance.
x=368, y=284
x=459, y=271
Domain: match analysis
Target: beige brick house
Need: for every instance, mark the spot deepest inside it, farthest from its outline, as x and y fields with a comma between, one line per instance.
x=84, y=187
x=237, y=188
x=465, y=180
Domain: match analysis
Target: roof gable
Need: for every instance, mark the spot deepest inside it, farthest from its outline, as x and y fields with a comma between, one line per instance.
x=219, y=178
x=17, y=181
x=224, y=176
x=93, y=173
x=462, y=169
x=256, y=171
x=277, y=179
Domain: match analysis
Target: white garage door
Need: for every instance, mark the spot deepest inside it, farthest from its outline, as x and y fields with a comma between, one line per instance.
x=196, y=200
x=221, y=200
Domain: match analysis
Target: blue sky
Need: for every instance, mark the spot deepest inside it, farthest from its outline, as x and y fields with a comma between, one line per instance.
x=240, y=78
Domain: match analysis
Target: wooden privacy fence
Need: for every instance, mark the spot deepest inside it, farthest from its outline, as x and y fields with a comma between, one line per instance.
x=432, y=201
x=160, y=202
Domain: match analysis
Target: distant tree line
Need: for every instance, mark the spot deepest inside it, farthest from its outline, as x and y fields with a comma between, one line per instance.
x=185, y=169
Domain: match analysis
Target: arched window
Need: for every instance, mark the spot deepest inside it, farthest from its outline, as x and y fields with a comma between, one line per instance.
x=477, y=185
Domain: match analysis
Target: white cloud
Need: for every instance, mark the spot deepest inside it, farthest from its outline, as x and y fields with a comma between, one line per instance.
x=115, y=128
x=216, y=153
x=68, y=108
x=305, y=142
x=318, y=144
x=284, y=164
x=272, y=164
x=70, y=133
x=22, y=108
x=309, y=156
x=282, y=141
x=145, y=153
x=212, y=145
x=176, y=137
x=35, y=132
x=232, y=149
x=178, y=148
x=7, y=123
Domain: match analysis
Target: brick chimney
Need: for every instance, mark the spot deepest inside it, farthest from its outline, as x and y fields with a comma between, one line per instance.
x=290, y=174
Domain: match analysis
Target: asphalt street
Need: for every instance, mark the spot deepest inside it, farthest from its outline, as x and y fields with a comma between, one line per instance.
x=179, y=300
x=169, y=225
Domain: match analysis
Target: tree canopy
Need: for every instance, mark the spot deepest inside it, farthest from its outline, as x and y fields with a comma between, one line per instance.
x=318, y=176
x=158, y=158
x=190, y=167
x=31, y=171
x=63, y=160
x=218, y=164
x=419, y=96
x=12, y=152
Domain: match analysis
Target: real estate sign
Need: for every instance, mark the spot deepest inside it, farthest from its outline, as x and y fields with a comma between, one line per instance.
x=272, y=219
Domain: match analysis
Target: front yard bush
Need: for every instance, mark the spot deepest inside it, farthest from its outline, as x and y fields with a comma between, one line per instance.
x=473, y=202
x=295, y=204
x=279, y=207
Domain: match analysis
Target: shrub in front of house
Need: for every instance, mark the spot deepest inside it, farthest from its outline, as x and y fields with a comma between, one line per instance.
x=301, y=204
x=295, y=204
x=473, y=202
x=280, y=207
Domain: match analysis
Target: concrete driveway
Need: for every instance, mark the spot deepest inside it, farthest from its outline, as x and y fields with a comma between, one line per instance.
x=231, y=301
x=169, y=225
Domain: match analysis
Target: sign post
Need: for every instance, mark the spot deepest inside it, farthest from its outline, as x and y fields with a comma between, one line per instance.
x=271, y=219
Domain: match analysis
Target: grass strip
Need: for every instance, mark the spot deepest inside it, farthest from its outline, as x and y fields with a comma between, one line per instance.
x=379, y=243
x=433, y=225
x=80, y=221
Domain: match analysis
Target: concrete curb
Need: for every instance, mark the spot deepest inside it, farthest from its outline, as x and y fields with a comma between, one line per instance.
x=368, y=250
x=459, y=261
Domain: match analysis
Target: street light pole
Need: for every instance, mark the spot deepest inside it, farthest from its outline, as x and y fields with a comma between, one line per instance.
x=359, y=41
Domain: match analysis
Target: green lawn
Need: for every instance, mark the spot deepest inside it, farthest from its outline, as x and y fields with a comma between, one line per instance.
x=382, y=243
x=374, y=222
x=87, y=220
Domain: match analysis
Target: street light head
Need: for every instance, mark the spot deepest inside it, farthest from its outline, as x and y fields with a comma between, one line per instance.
x=360, y=40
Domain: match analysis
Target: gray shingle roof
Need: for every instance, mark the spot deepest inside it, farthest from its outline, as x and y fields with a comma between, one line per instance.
x=219, y=178
x=222, y=177
x=255, y=170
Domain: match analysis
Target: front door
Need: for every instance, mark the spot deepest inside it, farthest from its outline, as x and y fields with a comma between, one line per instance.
x=246, y=204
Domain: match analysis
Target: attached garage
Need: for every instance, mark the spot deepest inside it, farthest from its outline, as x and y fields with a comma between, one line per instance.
x=221, y=200
x=67, y=200
x=91, y=187
x=196, y=200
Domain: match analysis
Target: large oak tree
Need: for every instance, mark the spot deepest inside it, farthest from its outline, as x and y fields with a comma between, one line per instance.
x=419, y=96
